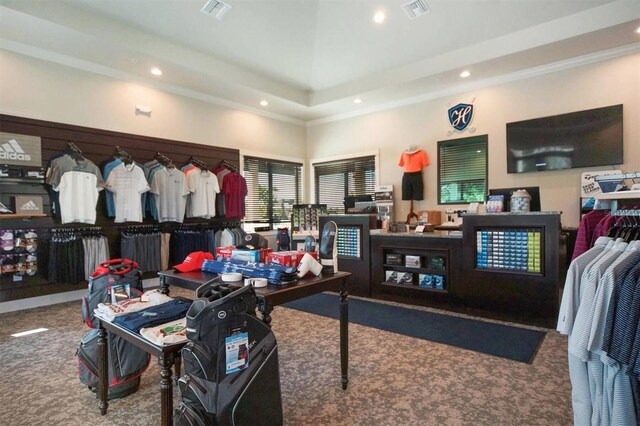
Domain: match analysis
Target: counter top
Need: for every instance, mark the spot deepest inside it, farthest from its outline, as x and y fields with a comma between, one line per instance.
x=434, y=234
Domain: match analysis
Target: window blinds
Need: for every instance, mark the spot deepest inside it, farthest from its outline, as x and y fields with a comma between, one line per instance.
x=337, y=179
x=462, y=170
x=273, y=188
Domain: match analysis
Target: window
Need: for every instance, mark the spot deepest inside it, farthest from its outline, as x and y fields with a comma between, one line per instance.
x=335, y=180
x=462, y=170
x=273, y=188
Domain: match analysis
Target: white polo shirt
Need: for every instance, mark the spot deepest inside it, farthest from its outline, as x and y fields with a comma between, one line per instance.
x=203, y=186
x=170, y=189
x=127, y=182
x=78, y=197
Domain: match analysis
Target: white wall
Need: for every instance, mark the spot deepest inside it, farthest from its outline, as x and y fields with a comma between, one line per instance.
x=44, y=90
x=615, y=81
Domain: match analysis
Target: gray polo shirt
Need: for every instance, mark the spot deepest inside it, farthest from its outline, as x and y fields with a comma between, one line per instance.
x=170, y=189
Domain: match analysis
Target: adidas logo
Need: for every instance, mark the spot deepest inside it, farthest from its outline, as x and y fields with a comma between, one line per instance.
x=13, y=151
x=29, y=205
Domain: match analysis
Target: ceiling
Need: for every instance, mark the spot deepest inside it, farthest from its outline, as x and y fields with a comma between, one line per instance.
x=311, y=58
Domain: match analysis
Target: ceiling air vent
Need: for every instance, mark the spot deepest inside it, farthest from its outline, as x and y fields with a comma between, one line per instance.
x=415, y=8
x=216, y=8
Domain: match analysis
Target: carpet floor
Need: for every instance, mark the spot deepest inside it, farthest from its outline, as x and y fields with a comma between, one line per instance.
x=393, y=379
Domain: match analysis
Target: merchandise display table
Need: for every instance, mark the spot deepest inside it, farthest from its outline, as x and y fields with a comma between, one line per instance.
x=273, y=295
x=167, y=356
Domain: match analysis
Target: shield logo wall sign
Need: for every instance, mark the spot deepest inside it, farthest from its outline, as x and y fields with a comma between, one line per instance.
x=460, y=116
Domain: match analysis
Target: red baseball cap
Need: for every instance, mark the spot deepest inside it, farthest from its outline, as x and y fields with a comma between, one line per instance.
x=194, y=261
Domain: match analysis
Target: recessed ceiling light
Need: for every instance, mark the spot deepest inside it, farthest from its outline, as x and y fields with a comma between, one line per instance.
x=379, y=17
x=465, y=74
x=156, y=71
x=638, y=30
x=264, y=103
x=357, y=101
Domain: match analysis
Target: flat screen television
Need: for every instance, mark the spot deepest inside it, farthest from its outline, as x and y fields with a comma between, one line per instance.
x=578, y=139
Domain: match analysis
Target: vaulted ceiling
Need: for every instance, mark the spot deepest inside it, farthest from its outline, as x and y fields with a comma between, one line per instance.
x=310, y=59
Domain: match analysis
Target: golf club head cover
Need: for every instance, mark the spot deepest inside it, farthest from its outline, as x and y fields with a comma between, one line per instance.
x=310, y=243
x=308, y=263
x=329, y=248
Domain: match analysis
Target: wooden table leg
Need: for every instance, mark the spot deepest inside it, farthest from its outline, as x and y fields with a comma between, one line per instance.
x=344, y=334
x=265, y=309
x=164, y=287
x=166, y=388
x=103, y=369
x=177, y=365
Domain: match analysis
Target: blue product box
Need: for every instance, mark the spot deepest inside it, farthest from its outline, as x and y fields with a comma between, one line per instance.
x=246, y=255
x=426, y=281
x=438, y=282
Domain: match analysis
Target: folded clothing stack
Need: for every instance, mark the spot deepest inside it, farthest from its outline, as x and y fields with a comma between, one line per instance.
x=108, y=311
x=273, y=272
x=155, y=315
x=167, y=334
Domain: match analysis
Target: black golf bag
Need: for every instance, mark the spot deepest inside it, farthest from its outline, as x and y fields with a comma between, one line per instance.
x=126, y=361
x=231, y=374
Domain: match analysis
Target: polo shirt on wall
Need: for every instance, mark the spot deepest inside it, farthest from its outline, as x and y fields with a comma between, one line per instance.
x=79, y=190
x=170, y=189
x=127, y=182
x=203, y=186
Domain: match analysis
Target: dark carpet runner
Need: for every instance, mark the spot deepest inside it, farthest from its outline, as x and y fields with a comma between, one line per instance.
x=518, y=344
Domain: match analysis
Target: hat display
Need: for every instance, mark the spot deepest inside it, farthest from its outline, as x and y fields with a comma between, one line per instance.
x=194, y=261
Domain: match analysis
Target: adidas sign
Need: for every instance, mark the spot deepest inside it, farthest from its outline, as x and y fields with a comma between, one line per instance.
x=29, y=205
x=13, y=151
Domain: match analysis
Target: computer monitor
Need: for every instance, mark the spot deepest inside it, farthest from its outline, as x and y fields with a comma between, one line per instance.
x=534, y=192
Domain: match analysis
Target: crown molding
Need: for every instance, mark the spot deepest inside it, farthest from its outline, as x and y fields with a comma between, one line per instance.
x=94, y=68
x=489, y=82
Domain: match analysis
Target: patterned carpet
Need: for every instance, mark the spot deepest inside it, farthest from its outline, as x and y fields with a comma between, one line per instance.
x=393, y=379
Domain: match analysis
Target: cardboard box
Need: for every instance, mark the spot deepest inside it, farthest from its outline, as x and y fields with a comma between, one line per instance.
x=434, y=217
x=412, y=261
x=227, y=252
x=28, y=204
x=289, y=258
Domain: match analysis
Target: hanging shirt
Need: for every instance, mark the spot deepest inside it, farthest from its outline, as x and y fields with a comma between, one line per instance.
x=235, y=191
x=414, y=161
x=108, y=197
x=127, y=182
x=170, y=189
x=203, y=186
x=79, y=189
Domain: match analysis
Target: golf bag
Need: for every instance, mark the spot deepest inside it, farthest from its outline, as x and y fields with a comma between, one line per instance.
x=231, y=374
x=126, y=364
x=126, y=361
x=115, y=273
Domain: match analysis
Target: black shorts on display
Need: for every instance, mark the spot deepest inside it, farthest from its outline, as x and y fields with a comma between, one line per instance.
x=412, y=188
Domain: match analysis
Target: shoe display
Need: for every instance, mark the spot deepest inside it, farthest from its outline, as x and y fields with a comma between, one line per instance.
x=329, y=248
